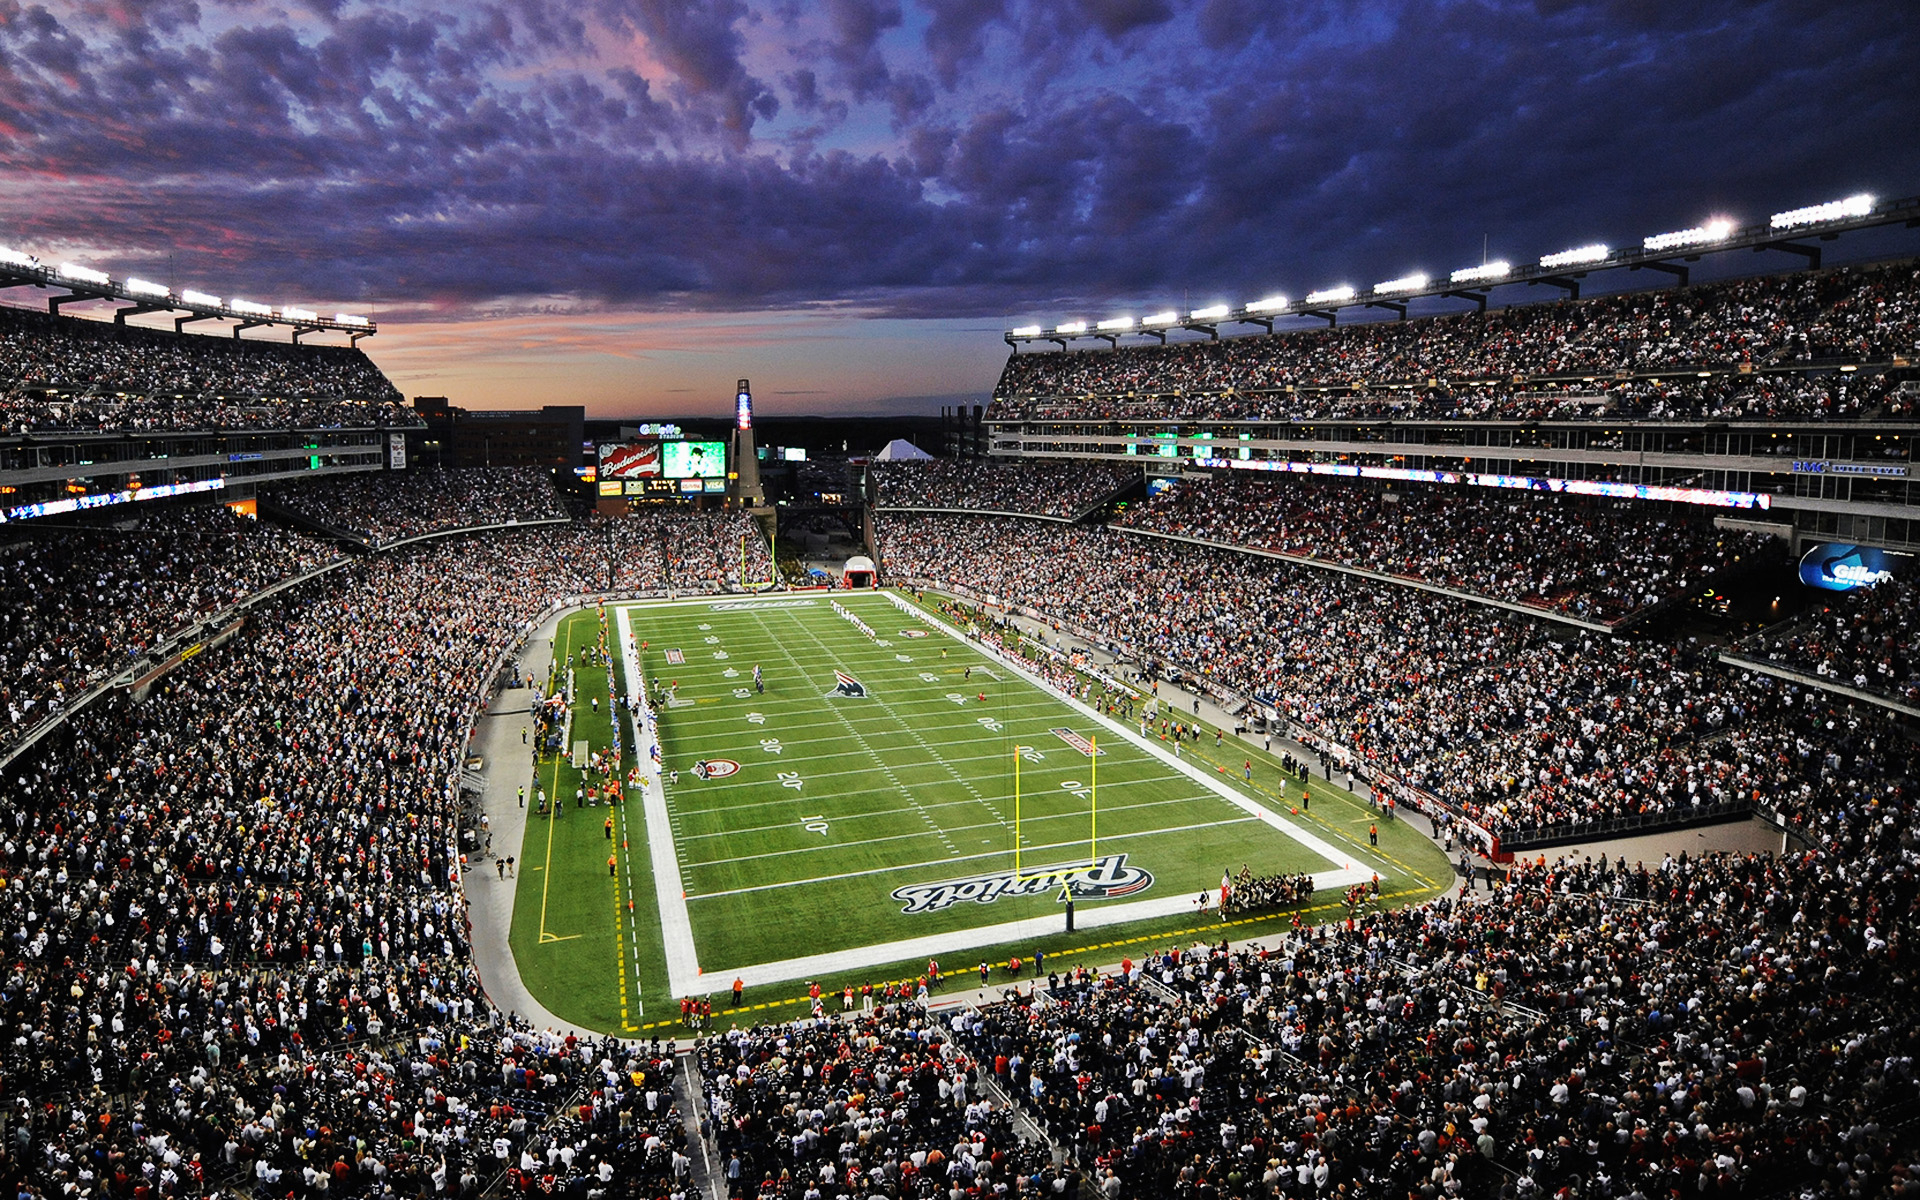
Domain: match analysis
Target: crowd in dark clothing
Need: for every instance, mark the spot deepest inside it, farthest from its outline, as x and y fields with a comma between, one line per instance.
x=1868, y=638
x=1859, y=314
x=882, y=1103
x=1043, y=487
x=65, y=373
x=78, y=605
x=382, y=507
x=1597, y=560
x=236, y=941
x=1721, y=1025
x=1518, y=724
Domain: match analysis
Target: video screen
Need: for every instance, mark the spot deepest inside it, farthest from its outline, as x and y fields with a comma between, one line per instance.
x=695, y=460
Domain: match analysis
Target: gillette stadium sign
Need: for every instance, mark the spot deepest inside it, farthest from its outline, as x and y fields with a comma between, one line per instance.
x=1842, y=566
x=1106, y=878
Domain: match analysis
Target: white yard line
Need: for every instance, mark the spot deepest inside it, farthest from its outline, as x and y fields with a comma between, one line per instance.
x=974, y=738
x=697, y=721
x=884, y=814
x=676, y=928
x=895, y=837
x=1345, y=877
x=715, y=787
x=682, y=963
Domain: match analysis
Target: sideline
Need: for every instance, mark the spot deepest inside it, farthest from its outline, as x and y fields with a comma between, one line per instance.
x=490, y=902
x=670, y=894
x=1344, y=874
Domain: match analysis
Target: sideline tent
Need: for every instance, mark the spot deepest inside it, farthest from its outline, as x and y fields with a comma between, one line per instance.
x=901, y=450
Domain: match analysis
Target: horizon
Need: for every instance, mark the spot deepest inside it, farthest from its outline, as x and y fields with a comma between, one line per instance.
x=628, y=205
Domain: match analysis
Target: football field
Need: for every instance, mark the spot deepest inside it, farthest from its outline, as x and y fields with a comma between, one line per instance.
x=853, y=812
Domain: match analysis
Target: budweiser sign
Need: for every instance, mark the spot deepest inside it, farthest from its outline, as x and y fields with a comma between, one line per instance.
x=1105, y=878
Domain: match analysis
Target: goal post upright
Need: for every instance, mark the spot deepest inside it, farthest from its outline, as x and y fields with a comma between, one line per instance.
x=1093, y=817
x=1016, y=811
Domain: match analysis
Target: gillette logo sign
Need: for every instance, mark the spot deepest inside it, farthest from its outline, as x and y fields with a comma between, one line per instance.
x=1105, y=878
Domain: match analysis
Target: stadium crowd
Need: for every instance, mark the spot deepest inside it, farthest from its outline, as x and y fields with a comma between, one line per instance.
x=688, y=552
x=64, y=373
x=380, y=507
x=237, y=951
x=1868, y=637
x=1600, y=561
x=1523, y=727
x=1041, y=487
x=79, y=604
x=875, y=1103
x=1823, y=395
x=1861, y=314
x=1719, y=1025
x=236, y=941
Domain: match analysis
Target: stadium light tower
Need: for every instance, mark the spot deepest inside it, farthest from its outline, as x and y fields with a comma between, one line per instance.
x=746, y=461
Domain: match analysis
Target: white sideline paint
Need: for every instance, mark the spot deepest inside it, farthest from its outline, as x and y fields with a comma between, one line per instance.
x=1346, y=877
x=1087, y=917
x=676, y=930
x=685, y=977
x=943, y=945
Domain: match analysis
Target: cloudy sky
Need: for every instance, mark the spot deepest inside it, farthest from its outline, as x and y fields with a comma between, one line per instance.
x=631, y=202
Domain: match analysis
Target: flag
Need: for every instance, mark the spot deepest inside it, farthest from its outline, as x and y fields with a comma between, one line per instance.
x=847, y=685
x=677, y=658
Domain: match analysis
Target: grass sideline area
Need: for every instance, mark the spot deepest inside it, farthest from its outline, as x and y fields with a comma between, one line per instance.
x=827, y=814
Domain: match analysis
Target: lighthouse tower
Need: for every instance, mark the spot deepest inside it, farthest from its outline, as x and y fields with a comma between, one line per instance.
x=746, y=461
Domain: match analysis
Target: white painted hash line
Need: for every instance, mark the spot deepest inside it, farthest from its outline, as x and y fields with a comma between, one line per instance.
x=683, y=967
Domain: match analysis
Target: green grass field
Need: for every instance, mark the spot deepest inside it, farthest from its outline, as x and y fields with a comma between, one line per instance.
x=845, y=811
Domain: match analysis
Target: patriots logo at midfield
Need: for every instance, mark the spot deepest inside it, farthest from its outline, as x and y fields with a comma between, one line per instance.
x=846, y=685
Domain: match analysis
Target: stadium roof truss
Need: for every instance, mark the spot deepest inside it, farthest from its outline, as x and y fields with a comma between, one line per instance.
x=1796, y=232
x=82, y=285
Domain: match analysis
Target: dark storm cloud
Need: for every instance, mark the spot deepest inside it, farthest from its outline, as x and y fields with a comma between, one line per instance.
x=934, y=157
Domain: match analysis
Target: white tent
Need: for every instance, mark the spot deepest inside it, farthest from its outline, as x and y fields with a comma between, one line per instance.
x=901, y=450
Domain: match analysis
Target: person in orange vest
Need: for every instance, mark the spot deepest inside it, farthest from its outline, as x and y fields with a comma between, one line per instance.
x=1373, y=835
x=609, y=828
x=610, y=861
x=739, y=987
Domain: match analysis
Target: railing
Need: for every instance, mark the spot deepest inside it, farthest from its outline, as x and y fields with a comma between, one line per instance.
x=1809, y=679
x=1545, y=836
x=107, y=678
